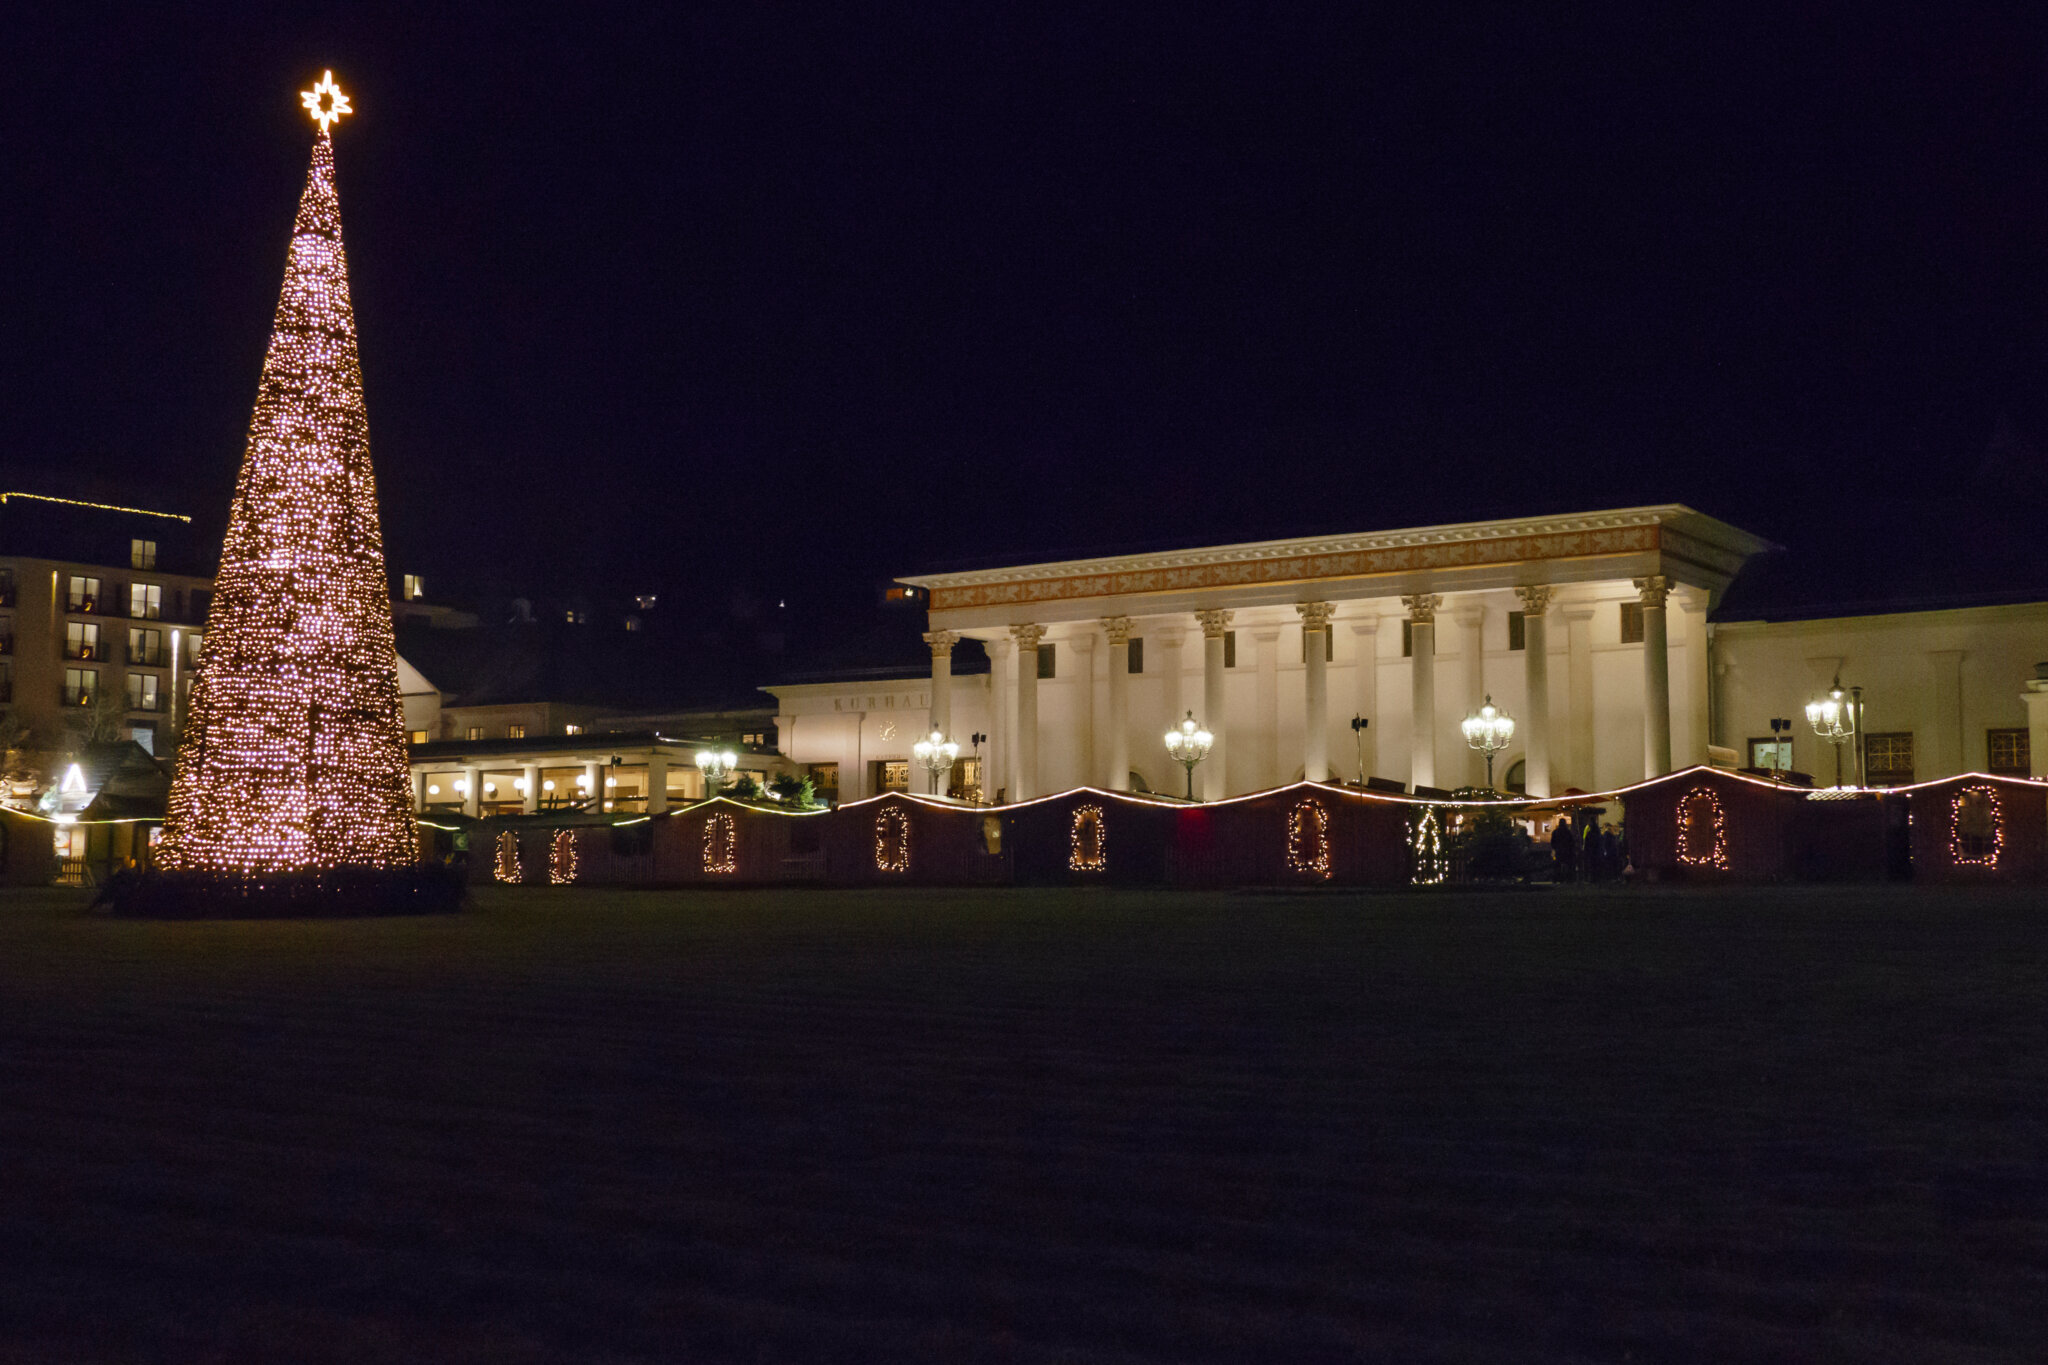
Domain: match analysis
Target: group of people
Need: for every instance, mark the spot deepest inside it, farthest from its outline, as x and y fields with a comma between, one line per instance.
x=1598, y=854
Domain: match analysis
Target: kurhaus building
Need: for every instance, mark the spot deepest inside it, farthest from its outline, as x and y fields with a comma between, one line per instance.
x=1592, y=630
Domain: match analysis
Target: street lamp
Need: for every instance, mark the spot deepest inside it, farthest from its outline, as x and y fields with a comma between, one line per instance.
x=1489, y=730
x=1781, y=736
x=1189, y=745
x=935, y=754
x=1836, y=718
x=716, y=766
x=1358, y=727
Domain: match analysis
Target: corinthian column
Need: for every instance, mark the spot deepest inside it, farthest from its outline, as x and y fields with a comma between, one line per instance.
x=1215, y=784
x=1656, y=678
x=942, y=642
x=1536, y=701
x=1117, y=752
x=1026, y=762
x=1315, y=690
x=1422, y=687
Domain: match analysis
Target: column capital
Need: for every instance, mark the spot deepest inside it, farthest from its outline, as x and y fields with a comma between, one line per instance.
x=1027, y=637
x=1422, y=606
x=941, y=641
x=1535, y=598
x=1653, y=589
x=1117, y=628
x=1214, y=622
x=1316, y=615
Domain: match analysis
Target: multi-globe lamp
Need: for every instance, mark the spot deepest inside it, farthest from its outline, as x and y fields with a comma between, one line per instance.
x=1188, y=744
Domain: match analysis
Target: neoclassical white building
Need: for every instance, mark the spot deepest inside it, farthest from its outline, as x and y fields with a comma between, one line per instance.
x=1590, y=629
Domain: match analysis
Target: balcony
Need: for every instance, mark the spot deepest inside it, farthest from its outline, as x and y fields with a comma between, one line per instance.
x=148, y=658
x=84, y=606
x=92, y=653
x=77, y=696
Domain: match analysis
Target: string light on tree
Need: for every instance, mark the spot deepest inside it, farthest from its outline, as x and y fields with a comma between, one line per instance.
x=1308, y=840
x=1702, y=830
x=1427, y=846
x=892, y=840
x=562, y=860
x=1088, y=841
x=508, y=869
x=294, y=754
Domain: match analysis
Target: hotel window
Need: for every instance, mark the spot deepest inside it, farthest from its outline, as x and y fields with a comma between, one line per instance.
x=1888, y=758
x=572, y=729
x=85, y=594
x=414, y=587
x=892, y=776
x=824, y=780
x=1518, y=630
x=71, y=842
x=1772, y=755
x=145, y=601
x=145, y=647
x=1047, y=666
x=1631, y=623
x=515, y=732
x=755, y=738
x=79, y=686
x=1135, y=657
x=1230, y=649
x=1329, y=645
x=476, y=732
x=142, y=691
x=1408, y=640
x=2008, y=752
x=419, y=736
x=192, y=640
x=82, y=640
x=142, y=554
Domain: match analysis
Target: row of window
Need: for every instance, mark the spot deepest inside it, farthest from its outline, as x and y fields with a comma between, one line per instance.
x=85, y=596
x=84, y=640
x=1888, y=756
x=82, y=688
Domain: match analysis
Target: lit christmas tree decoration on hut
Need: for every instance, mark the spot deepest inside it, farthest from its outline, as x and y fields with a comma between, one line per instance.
x=294, y=757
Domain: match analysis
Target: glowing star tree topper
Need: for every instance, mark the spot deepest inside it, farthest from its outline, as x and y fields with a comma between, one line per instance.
x=294, y=753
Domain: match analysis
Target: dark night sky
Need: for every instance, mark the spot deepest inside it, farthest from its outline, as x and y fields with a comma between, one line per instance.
x=1086, y=282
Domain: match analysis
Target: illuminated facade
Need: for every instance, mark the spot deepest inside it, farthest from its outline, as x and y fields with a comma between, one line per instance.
x=294, y=754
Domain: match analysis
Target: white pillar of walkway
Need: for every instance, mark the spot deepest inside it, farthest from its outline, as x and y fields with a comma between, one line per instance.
x=1026, y=764
x=1365, y=649
x=1422, y=687
x=1117, y=748
x=942, y=642
x=1578, y=625
x=472, y=791
x=1215, y=776
x=529, y=800
x=1471, y=619
x=1315, y=690
x=657, y=781
x=1266, y=768
x=1656, y=677
x=1536, y=690
x=593, y=784
x=1078, y=670
x=1002, y=720
x=419, y=790
x=2035, y=699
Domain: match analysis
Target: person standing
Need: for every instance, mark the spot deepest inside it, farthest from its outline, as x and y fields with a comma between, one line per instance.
x=1564, y=849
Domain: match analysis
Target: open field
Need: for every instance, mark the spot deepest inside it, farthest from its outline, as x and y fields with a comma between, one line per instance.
x=1033, y=1126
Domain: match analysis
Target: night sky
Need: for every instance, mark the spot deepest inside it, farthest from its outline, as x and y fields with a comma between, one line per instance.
x=796, y=299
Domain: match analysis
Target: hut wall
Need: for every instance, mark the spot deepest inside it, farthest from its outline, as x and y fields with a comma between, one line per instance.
x=1939, y=851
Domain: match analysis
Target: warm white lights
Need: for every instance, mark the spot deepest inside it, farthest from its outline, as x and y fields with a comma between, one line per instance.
x=716, y=765
x=935, y=754
x=1833, y=718
x=1187, y=745
x=1489, y=730
x=325, y=102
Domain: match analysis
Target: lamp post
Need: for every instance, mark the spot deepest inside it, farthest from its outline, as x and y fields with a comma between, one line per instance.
x=1358, y=727
x=1489, y=730
x=715, y=765
x=935, y=754
x=1781, y=735
x=1188, y=745
x=977, y=739
x=1835, y=718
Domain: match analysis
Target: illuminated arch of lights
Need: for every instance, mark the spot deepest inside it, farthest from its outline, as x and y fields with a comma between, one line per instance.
x=721, y=844
x=1088, y=841
x=562, y=858
x=1308, y=839
x=508, y=869
x=1698, y=847
x=1961, y=853
x=892, y=839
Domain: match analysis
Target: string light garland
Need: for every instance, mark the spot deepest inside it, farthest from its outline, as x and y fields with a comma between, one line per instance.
x=508, y=869
x=562, y=858
x=1088, y=841
x=1992, y=846
x=1427, y=845
x=1702, y=848
x=892, y=839
x=294, y=754
x=721, y=844
x=1308, y=840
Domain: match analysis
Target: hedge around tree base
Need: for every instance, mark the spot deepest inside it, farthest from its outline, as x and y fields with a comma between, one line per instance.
x=330, y=893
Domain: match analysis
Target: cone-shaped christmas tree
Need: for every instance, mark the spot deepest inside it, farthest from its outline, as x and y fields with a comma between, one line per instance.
x=294, y=755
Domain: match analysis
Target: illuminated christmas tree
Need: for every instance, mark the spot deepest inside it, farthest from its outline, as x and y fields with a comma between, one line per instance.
x=294, y=756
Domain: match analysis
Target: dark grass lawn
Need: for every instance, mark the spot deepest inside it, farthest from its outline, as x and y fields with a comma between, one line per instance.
x=954, y=1126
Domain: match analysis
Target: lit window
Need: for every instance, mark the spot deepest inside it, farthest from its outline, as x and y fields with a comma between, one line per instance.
x=145, y=601
x=1888, y=759
x=414, y=587
x=419, y=736
x=82, y=640
x=632, y=623
x=142, y=554
x=476, y=732
x=2009, y=753
x=515, y=732
x=145, y=647
x=142, y=691
x=1772, y=755
x=79, y=686
x=85, y=594
x=572, y=729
